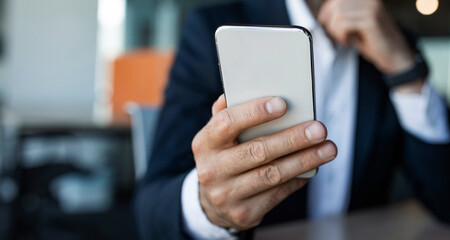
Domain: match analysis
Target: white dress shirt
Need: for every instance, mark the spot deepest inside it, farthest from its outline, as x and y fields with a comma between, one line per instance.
x=336, y=69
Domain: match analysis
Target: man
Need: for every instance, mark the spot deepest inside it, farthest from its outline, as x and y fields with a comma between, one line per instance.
x=372, y=96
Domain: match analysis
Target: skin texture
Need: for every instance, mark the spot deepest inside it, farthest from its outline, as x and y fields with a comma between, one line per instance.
x=240, y=183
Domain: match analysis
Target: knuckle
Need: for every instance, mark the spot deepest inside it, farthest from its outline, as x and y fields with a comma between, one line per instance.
x=197, y=143
x=258, y=151
x=295, y=138
x=241, y=217
x=257, y=113
x=217, y=198
x=222, y=122
x=250, y=112
x=306, y=162
x=272, y=175
x=282, y=193
x=256, y=222
x=205, y=175
x=278, y=195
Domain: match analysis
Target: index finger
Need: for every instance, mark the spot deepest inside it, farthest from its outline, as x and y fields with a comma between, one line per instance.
x=226, y=125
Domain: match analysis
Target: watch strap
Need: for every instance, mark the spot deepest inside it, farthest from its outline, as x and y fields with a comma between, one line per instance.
x=419, y=70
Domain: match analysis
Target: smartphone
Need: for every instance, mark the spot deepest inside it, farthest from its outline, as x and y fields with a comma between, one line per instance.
x=263, y=61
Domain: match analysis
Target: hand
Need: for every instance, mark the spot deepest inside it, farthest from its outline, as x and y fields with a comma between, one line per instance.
x=240, y=183
x=367, y=24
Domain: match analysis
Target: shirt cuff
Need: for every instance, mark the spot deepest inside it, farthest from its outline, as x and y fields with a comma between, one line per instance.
x=423, y=115
x=196, y=224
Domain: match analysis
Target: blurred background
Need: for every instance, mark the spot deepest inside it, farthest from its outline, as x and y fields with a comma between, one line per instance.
x=81, y=83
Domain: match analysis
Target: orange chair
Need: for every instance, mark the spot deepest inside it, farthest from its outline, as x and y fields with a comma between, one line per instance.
x=140, y=77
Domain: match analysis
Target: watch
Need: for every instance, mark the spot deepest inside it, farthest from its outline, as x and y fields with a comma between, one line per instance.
x=419, y=70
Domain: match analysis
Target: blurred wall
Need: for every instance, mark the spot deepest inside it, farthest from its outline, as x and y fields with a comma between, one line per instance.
x=437, y=53
x=48, y=69
x=47, y=72
x=2, y=77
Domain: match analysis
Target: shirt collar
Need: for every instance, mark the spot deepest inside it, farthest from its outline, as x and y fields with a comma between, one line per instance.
x=300, y=14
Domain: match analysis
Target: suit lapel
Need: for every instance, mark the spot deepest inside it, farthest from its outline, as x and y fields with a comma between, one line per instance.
x=267, y=12
x=368, y=111
x=274, y=12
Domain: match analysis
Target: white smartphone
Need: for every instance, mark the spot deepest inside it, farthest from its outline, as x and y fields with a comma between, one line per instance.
x=262, y=61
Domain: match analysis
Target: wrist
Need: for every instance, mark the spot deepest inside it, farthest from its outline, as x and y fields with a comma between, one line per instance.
x=410, y=88
x=209, y=211
x=409, y=80
x=195, y=222
x=400, y=62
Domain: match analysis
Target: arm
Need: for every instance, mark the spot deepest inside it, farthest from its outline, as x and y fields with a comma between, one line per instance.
x=428, y=167
x=426, y=148
x=426, y=152
x=238, y=183
x=190, y=93
x=423, y=114
x=195, y=221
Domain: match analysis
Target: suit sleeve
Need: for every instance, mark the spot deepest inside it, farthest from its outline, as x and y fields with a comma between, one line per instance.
x=423, y=115
x=428, y=166
x=194, y=85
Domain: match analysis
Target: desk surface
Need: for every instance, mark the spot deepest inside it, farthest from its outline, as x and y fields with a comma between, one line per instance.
x=408, y=220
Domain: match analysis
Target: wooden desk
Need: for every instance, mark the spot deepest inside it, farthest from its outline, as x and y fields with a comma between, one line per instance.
x=408, y=220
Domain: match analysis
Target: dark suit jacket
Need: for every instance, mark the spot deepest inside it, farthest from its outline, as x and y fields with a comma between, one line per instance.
x=381, y=145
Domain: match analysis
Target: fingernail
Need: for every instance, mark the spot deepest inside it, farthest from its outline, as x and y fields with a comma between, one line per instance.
x=327, y=152
x=276, y=106
x=315, y=132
